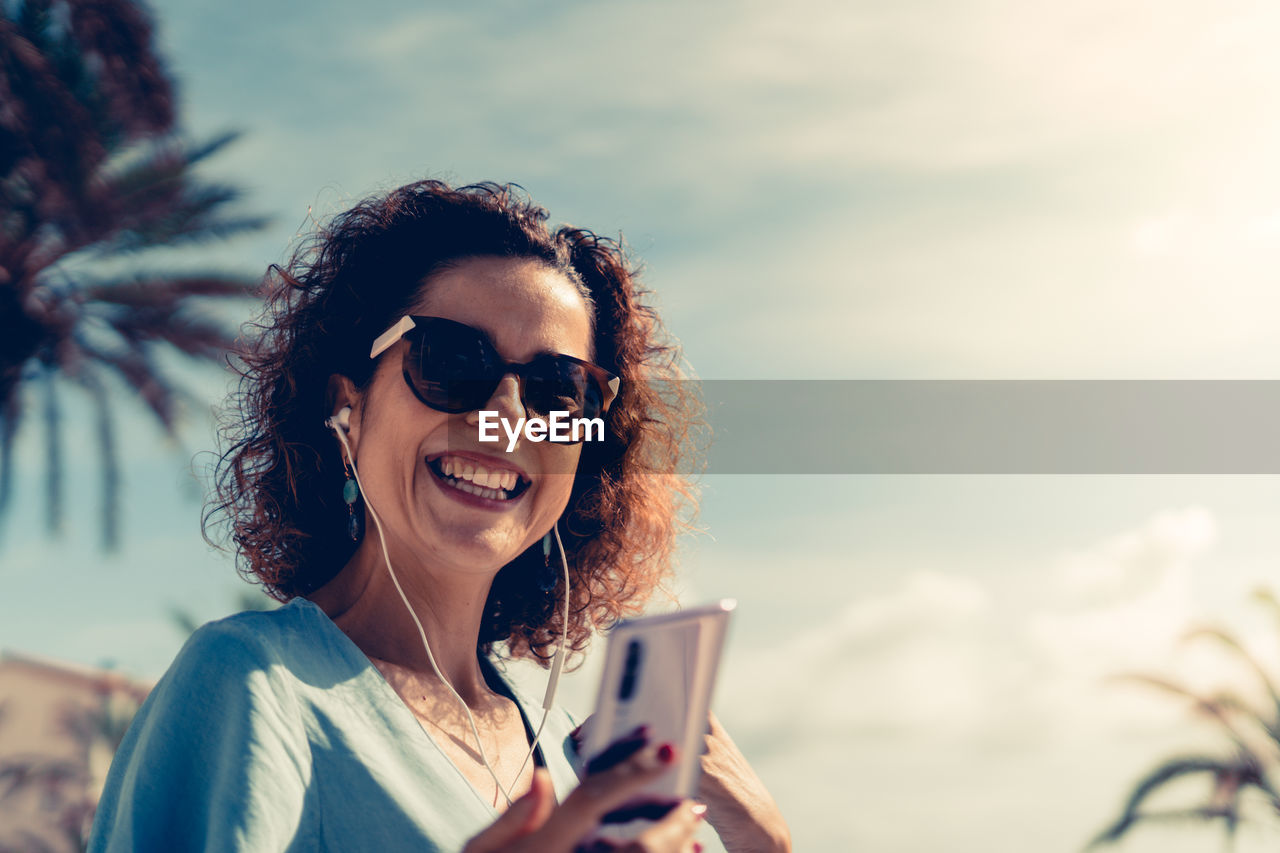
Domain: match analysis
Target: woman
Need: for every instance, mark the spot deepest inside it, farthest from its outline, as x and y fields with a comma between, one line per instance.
x=367, y=712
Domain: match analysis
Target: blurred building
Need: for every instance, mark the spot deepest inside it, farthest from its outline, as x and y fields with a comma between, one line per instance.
x=60, y=724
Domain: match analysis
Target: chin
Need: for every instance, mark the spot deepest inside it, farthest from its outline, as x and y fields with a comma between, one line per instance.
x=483, y=549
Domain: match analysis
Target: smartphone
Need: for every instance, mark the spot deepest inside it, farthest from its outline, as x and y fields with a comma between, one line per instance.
x=660, y=671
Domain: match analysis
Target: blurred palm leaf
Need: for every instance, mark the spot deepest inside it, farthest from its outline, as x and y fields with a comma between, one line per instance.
x=1249, y=773
x=93, y=172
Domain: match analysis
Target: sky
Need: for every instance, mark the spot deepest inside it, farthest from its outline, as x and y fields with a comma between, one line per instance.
x=818, y=190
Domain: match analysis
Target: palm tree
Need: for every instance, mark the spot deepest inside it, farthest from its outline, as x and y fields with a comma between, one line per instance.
x=1243, y=781
x=93, y=173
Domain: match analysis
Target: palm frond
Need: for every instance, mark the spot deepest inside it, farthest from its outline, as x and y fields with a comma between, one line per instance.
x=199, y=337
x=204, y=150
x=33, y=17
x=142, y=312
x=144, y=198
x=190, y=213
x=10, y=416
x=1268, y=599
x=1230, y=777
x=1269, y=724
x=183, y=620
x=254, y=599
x=141, y=292
x=1218, y=708
x=134, y=82
x=108, y=456
x=139, y=371
x=53, y=453
x=51, y=134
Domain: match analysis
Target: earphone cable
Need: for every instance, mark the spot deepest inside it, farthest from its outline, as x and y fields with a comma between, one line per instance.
x=548, y=700
x=553, y=681
x=422, y=633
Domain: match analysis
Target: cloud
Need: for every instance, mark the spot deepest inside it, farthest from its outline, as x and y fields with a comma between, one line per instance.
x=901, y=662
x=959, y=694
x=969, y=190
x=1133, y=563
x=941, y=656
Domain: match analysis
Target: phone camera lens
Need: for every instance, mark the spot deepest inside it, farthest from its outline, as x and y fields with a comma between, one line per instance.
x=631, y=671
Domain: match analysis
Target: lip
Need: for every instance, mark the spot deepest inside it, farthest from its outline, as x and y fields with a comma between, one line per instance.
x=484, y=459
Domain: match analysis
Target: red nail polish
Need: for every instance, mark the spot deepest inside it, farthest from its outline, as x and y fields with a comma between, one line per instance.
x=666, y=753
x=697, y=847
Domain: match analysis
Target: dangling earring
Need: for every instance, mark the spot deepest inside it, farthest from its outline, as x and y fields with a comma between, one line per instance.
x=547, y=582
x=351, y=494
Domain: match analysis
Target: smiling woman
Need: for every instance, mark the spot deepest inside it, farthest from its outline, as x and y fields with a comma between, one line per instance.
x=356, y=487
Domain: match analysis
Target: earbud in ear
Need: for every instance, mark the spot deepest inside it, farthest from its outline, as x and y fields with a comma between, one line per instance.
x=342, y=420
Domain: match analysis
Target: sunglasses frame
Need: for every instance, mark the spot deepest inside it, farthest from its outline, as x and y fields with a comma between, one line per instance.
x=610, y=383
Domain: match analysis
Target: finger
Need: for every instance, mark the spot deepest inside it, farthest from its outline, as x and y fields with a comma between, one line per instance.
x=599, y=845
x=546, y=803
x=619, y=751
x=521, y=818
x=641, y=809
x=603, y=792
x=675, y=831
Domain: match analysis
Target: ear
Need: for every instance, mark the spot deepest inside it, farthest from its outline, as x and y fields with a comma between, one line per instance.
x=342, y=393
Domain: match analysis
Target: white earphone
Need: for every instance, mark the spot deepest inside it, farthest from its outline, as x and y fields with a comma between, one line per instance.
x=341, y=419
x=340, y=423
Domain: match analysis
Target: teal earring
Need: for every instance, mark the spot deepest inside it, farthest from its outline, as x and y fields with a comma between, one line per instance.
x=547, y=583
x=351, y=494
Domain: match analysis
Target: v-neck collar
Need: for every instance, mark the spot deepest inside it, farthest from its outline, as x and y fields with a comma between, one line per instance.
x=378, y=682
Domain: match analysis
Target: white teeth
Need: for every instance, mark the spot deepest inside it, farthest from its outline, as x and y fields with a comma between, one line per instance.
x=478, y=480
x=473, y=489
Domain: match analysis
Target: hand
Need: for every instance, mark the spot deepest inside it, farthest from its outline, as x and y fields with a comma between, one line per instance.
x=739, y=807
x=534, y=824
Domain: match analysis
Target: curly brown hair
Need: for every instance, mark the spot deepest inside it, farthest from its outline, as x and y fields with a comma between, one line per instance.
x=277, y=488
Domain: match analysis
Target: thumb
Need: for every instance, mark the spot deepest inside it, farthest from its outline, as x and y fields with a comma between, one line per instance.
x=521, y=817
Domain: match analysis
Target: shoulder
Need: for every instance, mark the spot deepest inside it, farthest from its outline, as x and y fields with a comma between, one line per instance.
x=231, y=673
x=214, y=655
x=220, y=729
x=251, y=640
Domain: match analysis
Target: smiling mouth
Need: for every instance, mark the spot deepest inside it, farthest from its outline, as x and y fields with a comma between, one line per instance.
x=472, y=478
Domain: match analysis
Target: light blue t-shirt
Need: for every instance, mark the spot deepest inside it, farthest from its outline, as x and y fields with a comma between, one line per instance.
x=272, y=731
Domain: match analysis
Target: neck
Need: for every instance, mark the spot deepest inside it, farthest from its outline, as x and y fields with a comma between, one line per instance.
x=364, y=603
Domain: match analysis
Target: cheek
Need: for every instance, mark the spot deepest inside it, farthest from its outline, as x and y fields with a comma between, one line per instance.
x=558, y=485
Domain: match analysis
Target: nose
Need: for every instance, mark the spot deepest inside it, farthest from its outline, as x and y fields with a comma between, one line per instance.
x=505, y=400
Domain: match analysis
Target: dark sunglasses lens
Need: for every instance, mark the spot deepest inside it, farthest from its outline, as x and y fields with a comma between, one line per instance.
x=562, y=385
x=451, y=366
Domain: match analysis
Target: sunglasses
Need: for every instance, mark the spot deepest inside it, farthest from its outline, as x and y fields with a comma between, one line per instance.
x=453, y=367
